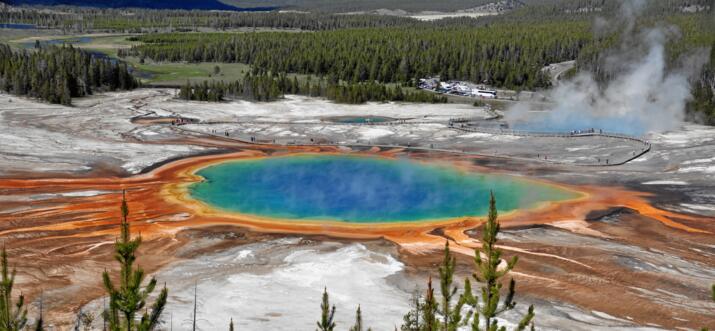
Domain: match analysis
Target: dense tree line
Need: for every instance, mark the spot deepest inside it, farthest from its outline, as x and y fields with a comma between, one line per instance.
x=543, y=9
x=568, y=6
x=57, y=74
x=343, y=6
x=695, y=32
x=146, y=20
x=323, y=17
x=181, y=20
x=265, y=87
x=702, y=107
x=509, y=55
x=253, y=87
x=356, y=93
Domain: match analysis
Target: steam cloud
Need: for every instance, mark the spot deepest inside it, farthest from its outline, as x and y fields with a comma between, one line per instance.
x=644, y=96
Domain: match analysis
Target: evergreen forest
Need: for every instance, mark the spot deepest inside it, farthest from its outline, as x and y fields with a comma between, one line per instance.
x=57, y=74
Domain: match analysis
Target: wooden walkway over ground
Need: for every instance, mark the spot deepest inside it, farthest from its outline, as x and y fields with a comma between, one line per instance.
x=451, y=124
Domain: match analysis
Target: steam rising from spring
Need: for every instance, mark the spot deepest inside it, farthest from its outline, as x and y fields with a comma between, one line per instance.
x=645, y=95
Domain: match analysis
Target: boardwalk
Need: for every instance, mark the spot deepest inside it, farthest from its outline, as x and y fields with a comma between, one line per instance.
x=452, y=124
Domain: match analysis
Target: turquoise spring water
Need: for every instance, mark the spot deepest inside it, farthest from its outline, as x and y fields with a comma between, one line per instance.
x=361, y=189
x=360, y=119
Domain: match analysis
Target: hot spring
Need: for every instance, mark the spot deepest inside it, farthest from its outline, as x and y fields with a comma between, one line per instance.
x=359, y=189
x=359, y=119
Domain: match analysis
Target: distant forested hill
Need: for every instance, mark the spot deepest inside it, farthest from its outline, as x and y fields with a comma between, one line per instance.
x=152, y=4
x=365, y=5
x=552, y=6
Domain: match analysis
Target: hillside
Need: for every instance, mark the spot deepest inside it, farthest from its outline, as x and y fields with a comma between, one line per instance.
x=151, y=4
x=364, y=5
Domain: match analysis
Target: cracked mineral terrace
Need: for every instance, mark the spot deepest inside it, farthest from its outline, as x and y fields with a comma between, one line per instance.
x=643, y=237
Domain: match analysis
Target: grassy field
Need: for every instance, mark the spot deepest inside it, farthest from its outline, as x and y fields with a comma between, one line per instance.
x=105, y=43
x=178, y=73
x=11, y=35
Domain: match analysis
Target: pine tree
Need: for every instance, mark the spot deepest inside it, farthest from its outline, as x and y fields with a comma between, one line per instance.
x=452, y=315
x=230, y=325
x=64, y=92
x=487, y=260
x=130, y=298
x=327, y=315
x=194, y=315
x=358, y=321
x=13, y=316
x=40, y=323
x=411, y=320
x=713, y=297
x=429, y=310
